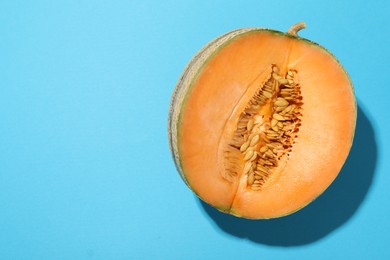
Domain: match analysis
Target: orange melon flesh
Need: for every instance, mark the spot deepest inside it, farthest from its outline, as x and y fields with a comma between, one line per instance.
x=215, y=98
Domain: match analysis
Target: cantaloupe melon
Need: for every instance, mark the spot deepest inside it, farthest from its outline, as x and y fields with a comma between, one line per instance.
x=261, y=122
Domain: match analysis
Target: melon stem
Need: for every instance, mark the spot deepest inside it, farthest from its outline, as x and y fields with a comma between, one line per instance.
x=296, y=28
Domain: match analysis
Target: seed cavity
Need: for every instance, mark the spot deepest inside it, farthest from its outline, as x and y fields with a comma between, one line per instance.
x=267, y=129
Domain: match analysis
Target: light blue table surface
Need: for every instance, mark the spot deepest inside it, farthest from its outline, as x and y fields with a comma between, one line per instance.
x=85, y=168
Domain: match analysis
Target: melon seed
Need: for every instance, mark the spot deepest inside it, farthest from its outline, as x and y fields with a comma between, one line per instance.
x=249, y=126
x=263, y=149
x=253, y=157
x=279, y=109
x=248, y=155
x=267, y=94
x=281, y=103
x=274, y=122
x=254, y=140
x=251, y=178
x=283, y=81
x=278, y=117
x=247, y=167
x=261, y=168
x=244, y=146
x=275, y=128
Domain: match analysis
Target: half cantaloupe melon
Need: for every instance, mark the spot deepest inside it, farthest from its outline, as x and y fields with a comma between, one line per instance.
x=261, y=122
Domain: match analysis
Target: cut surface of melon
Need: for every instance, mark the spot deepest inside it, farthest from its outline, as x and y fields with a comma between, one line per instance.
x=215, y=91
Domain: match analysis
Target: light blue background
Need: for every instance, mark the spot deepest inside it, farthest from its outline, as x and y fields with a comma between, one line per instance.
x=85, y=168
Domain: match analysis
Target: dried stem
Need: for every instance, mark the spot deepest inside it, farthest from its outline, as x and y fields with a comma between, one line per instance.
x=296, y=28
